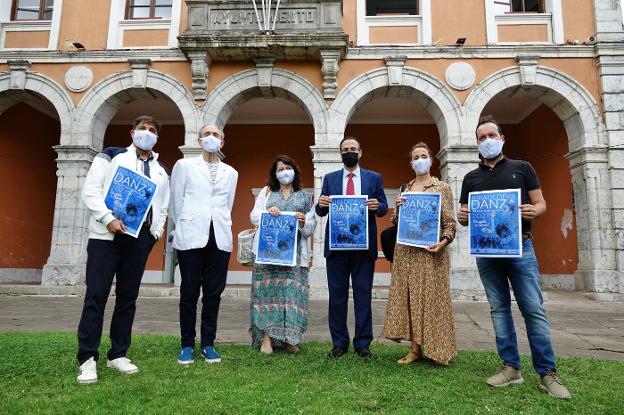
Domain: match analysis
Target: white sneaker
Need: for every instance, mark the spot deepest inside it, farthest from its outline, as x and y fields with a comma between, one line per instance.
x=122, y=364
x=87, y=372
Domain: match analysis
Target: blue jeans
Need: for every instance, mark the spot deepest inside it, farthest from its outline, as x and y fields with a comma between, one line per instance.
x=523, y=274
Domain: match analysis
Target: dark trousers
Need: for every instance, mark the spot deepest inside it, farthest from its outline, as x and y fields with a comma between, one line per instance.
x=360, y=266
x=124, y=258
x=204, y=268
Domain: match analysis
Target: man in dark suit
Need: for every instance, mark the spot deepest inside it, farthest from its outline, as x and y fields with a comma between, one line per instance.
x=360, y=265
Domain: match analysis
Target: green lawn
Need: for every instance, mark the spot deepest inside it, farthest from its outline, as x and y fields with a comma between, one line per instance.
x=37, y=375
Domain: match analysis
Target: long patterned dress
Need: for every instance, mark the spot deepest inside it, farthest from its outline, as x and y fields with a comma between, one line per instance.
x=419, y=304
x=279, y=294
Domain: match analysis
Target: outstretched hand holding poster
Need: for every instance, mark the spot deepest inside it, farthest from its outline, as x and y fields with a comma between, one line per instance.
x=130, y=196
x=495, y=223
x=419, y=219
x=277, y=239
x=348, y=223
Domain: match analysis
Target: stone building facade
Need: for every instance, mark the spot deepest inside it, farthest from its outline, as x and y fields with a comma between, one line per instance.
x=297, y=77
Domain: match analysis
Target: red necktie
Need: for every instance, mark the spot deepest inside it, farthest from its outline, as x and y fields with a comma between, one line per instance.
x=350, y=185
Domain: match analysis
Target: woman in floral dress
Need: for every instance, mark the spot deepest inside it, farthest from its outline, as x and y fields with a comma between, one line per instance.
x=419, y=305
x=279, y=294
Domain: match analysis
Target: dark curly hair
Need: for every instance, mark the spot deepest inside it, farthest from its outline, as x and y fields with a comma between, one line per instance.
x=272, y=181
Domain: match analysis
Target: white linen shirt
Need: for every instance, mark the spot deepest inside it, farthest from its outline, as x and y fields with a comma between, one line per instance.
x=197, y=202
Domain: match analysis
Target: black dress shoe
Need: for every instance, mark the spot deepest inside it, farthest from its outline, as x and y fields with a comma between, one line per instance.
x=336, y=352
x=364, y=353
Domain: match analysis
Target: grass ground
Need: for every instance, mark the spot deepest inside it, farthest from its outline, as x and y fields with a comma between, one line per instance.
x=37, y=375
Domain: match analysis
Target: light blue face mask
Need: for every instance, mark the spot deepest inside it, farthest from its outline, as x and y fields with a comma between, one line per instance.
x=144, y=139
x=421, y=166
x=491, y=148
x=285, y=176
x=211, y=143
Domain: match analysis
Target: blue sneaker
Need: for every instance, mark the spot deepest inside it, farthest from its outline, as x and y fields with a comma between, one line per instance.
x=211, y=355
x=186, y=356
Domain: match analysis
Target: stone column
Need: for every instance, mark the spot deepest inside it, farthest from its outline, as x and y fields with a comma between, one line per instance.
x=610, y=54
x=593, y=204
x=66, y=264
x=326, y=159
x=455, y=162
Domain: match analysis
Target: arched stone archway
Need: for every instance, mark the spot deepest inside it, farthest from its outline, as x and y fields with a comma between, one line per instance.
x=104, y=100
x=90, y=121
x=21, y=85
x=265, y=82
x=30, y=88
x=588, y=145
x=414, y=84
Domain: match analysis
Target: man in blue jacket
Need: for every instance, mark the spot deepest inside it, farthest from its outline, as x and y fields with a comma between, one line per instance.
x=359, y=264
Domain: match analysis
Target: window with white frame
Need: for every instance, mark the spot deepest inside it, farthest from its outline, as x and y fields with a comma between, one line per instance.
x=518, y=6
x=148, y=9
x=138, y=15
x=393, y=22
x=504, y=14
x=32, y=10
x=20, y=18
x=391, y=7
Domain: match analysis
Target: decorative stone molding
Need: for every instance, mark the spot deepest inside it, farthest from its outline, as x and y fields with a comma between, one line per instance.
x=329, y=69
x=395, y=65
x=264, y=66
x=460, y=75
x=18, y=73
x=200, y=67
x=78, y=78
x=528, y=68
x=139, y=71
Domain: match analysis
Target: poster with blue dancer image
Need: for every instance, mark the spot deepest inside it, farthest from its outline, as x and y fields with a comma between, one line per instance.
x=419, y=219
x=130, y=196
x=277, y=239
x=348, y=223
x=495, y=223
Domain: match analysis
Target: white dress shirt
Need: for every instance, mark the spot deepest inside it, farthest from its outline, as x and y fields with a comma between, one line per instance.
x=357, y=181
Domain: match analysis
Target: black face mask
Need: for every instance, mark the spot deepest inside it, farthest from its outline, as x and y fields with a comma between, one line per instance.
x=350, y=159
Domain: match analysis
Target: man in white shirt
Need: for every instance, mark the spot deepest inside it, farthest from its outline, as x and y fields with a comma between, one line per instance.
x=202, y=196
x=111, y=252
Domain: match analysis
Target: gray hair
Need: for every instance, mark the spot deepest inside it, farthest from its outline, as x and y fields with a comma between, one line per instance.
x=221, y=133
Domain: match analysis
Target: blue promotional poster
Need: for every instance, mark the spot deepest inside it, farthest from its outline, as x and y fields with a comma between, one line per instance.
x=277, y=239
x=348, y=223
x=130, y=196
x=419, y=219
x=494, y=223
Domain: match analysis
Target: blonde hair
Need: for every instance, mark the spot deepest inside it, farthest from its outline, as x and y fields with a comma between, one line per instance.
x=421, y=144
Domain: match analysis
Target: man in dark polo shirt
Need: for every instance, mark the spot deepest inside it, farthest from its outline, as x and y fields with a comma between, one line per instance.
x=496, y=172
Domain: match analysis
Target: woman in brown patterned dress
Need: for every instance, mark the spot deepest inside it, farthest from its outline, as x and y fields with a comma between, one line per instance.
x=419, y=305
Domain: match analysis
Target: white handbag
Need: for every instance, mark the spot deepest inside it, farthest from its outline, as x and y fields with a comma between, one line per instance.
x=244, y=256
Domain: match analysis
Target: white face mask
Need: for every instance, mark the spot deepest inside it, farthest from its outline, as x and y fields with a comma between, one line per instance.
x=144, y=139
x=421, y=166
x=491, y=148
x=285, y=176
x=211, y=143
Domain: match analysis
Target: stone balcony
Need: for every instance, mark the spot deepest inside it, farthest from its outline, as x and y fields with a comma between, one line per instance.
x=228, y=30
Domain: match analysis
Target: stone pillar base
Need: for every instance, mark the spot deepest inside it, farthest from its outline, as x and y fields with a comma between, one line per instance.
x=466, y=285
x=601, y=283
x=63, y=274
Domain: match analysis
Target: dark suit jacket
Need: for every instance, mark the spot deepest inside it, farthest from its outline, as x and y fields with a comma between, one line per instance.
x=372, y=185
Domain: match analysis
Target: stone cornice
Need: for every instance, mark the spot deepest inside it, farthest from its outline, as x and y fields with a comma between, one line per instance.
x=121, y=55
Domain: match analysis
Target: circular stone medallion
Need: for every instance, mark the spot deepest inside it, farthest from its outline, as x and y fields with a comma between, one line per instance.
x=78, y=78
x=460, y=75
